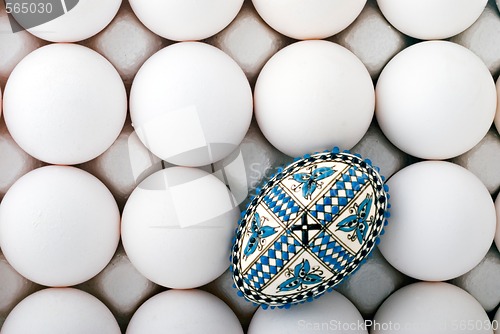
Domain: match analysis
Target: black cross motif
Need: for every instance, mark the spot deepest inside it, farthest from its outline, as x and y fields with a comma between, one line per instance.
x=305, y=227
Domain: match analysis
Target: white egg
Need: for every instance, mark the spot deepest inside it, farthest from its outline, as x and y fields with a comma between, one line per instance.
x=431, y=19
x=191, y=104
x=60, y=311
x=80, y=21
x=313, y=19
x=312, y=96
x=332, y=313
x=184, y=311
x=64, y=104
x=177, y=227
x=431, y=307
x=182, y=20
x=59, y=226
x=442, y=221
x=435, y=100
x=497, y=209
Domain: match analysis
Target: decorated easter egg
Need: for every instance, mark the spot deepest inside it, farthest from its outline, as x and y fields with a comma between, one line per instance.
x=309, y=227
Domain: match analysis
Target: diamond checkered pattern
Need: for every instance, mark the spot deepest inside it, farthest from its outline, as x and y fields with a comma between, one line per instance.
x=272, y=261
x=281, y=204
x=330, y=252
x=285, y=248
x=339, y=196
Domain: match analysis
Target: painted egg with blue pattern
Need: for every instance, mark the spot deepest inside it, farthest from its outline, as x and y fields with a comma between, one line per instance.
x=309, y=227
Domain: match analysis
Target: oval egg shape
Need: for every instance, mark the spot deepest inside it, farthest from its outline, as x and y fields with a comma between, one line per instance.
x=28, y=14
x=310, y=226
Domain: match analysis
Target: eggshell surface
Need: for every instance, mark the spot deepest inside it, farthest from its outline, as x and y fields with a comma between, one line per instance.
x=177, y=227
x=173, y=19
x=314, y=19
x=64, y=104
x=59, y=226
x=431, y=307
x=310, y=226
x=60, y=311
x=184, y=311
x=191, y=104
x=442, y=221
x=312, y=96
x=431, y=19
x=435, y=100
x=332, y=313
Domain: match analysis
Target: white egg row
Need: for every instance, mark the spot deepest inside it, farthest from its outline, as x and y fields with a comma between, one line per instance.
x=191, y=104
x=419, y=307
x=315, y=20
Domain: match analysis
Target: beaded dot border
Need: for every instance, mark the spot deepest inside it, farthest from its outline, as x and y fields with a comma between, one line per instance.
x=244, y=290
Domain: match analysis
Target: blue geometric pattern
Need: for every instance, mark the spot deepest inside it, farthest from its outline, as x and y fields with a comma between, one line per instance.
x=330, y=252
x=281, y=204
x=272, y=261
x=339, y=195
x=326, y=228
